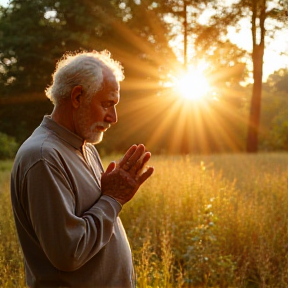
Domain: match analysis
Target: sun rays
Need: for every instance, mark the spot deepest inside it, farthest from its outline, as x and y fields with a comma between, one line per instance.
x=177, y=117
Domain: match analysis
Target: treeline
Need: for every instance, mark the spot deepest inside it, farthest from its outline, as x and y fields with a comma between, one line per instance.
x=35, y=34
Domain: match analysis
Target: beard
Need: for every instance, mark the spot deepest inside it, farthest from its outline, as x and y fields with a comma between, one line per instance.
x=94, y=138
x=89, y=132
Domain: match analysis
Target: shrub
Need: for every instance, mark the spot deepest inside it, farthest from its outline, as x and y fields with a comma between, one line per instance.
x=8, y=146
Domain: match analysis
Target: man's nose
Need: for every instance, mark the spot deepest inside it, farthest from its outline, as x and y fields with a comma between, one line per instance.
x=111, y=116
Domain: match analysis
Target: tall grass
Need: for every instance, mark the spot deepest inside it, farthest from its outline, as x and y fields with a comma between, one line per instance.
x=11, y=264
x=200, y=221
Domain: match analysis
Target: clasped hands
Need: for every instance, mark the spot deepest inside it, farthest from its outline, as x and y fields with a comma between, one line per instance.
x=122, y=180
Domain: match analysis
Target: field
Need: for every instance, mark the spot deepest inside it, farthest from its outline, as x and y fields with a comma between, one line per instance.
x=200, y=221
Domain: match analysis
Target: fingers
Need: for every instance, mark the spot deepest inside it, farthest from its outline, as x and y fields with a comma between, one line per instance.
x=137, y=154
x=127, y=155
x=139, y=165
x=131, y=157
x=145, y=158
x=145, y=175
x=135, y=164
x=110, y=167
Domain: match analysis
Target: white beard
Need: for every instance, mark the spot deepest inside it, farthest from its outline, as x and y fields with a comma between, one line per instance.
x=94, y=137
x=90, y=134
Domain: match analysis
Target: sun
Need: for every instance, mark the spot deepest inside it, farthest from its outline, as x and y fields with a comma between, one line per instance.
x=192, y=85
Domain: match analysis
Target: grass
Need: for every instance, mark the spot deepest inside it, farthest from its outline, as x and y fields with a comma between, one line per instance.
x=200, y=221
x=11, y=264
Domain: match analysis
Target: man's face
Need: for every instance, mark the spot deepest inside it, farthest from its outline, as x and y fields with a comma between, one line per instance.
x=95, y=117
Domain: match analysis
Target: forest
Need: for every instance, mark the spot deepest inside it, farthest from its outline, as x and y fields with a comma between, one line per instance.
x=155, y=41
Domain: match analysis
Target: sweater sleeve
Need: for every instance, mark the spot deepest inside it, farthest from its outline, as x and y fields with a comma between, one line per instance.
x=67, y=240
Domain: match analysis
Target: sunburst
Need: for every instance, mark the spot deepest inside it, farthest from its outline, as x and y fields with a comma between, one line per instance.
x=192, y=85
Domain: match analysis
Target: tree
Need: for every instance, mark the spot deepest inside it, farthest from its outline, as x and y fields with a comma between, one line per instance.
x=278, y=81
x=34, y=34
x=136, y=32
x=25, y=51
x=260, y=15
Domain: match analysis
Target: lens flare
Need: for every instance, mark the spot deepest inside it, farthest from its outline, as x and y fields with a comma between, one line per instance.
x=192, y=86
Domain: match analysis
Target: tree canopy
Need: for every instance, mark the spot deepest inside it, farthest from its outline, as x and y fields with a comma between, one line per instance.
x=264, y=22
x=148, y=38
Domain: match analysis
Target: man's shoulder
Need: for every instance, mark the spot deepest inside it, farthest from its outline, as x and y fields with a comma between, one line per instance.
x=41, y=145
x=39, y=140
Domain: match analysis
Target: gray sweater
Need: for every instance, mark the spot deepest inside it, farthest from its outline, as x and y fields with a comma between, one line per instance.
x=71, y=236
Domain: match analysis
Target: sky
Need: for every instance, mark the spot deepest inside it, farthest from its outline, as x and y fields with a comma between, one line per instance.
x=274, y=59
x=4, y=2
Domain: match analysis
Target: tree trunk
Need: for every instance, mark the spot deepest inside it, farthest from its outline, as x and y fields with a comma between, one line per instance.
x=258, y=13
x=185, y=35
x=254, y=119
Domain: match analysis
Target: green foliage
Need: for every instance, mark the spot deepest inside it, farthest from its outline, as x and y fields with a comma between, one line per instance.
x=274, y=119
x=8, y=146
x=27, y=57
x=279, y=132
x=35, y=34
x=278, y=81
x=20, y=119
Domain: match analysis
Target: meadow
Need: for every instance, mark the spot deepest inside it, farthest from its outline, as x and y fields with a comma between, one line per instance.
x=200, y=221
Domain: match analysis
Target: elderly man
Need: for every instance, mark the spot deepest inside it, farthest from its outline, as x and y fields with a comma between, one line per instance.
x=65, y=206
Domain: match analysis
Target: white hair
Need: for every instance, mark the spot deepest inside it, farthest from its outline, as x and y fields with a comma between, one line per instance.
x=85, y=69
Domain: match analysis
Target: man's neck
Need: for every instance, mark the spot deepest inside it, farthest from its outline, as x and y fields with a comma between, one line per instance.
x=63, y=115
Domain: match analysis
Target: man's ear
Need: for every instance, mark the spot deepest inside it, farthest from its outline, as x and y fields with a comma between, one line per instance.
x=76, y=96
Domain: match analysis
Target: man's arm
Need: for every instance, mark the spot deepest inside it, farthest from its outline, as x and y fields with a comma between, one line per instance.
x=67, y=240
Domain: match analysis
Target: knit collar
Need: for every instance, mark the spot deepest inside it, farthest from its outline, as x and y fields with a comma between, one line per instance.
x=63, y=133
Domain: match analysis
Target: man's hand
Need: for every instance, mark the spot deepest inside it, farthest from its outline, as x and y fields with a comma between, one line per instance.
x=121, y=181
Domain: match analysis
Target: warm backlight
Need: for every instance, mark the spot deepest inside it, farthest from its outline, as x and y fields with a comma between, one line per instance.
x=192, y=85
